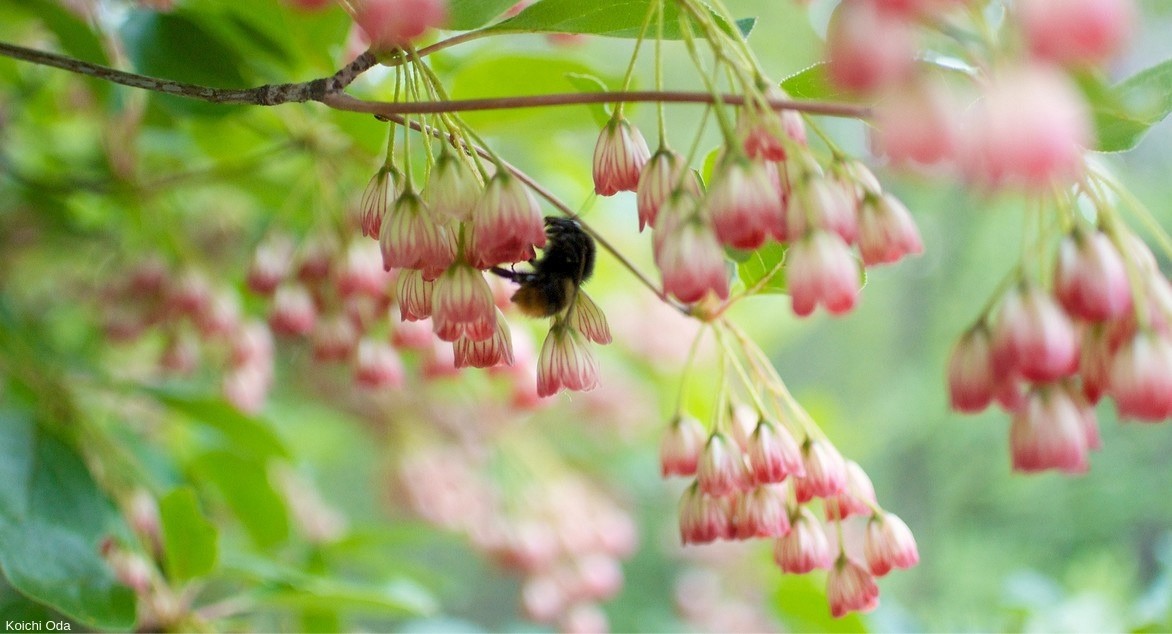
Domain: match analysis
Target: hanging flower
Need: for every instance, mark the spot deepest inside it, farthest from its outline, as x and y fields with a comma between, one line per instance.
x=619, y=157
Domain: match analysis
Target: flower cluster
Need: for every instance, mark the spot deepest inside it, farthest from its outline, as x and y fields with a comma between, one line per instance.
x=196, y=320
x=1048, y=355
x=563, y=535
x=379, y=323
x=440, y=242
x=337, y=296
x=758, y=480
x=1092, y=325
x=766, y=186
x=1014, y=117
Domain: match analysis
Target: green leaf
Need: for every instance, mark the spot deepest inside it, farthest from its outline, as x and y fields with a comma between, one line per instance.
x=761, y=267
x=14, y=606
x=1124, y=113
x=585, y=82
x=802, y=606
x=287, y=587
x=244, y=484
x=255, y=33
x=189, y=539
x=53, y=518
x=465, y=15
x=708, y=167
x=399, y=597
x=244, y=433
x=176, y=47
x=813, y=83
x=609, y=18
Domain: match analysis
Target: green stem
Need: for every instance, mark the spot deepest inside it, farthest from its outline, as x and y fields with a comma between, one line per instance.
x=659, y=109
x=772, y=382
x=688, y=361
x=739, y=368
x=726, y=126
x=1142, y=213
x=719, y=415
x=651, y=6
x=1012, y=277
x=835, y=151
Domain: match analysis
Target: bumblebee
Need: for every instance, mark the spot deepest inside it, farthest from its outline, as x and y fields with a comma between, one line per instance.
x=566, y=262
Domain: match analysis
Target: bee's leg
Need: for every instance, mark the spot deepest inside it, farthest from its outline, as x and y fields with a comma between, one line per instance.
x=506, y=273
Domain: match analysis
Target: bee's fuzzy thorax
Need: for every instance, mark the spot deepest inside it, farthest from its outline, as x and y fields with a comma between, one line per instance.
x=565, y=263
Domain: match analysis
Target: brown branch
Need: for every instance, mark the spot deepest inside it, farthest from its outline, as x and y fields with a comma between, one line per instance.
x=267, y=95
x=328, y=90
x=340, y=101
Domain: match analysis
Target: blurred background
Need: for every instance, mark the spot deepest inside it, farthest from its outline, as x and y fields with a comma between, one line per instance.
x=445, y=505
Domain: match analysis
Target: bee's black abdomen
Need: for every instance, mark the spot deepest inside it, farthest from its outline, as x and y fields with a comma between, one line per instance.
x=543, y=298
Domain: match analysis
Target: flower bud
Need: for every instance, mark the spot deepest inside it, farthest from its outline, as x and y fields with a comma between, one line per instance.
x=397, y=23
x=462, y=305
x=334, y=338
x=1076, y=32
x=825, y=472
x=805, y=547
x=692, y=261
x=917, y=124
x=743, y=204
x=506, y=224
x=1034, y=337
x=494, y=351
x=452, y=188
x=293, y=311
x=619, y=157
x=1090, y=279
x=414, y=294
x=850, y=588
x=411, y=239
x=823, y=203
x=1030, y=129
x=378, y=366
x=773, y=453
x=761, y=512
x=821, y=270
x=662, y=173
x=972, y=383
x=889, y=544
x=856, y=498
x=372, y=210
x=565, y=363
x=703, y=518
x=1141, y=377
x=271, y=264
x=887, y=231
x=721, y=469
x=681, y=447
x=1050, y=432
x=867, y=48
